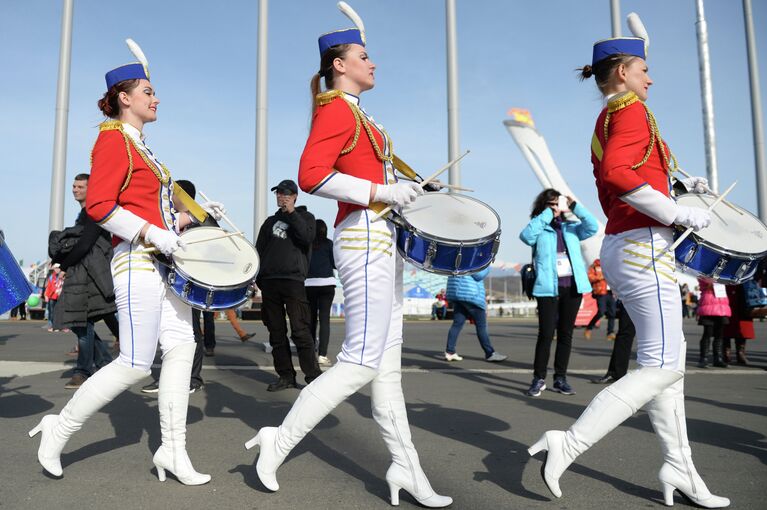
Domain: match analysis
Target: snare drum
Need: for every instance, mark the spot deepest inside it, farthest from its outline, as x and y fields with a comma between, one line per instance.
x=213, y=272
x=448, y=234
x=727, y=251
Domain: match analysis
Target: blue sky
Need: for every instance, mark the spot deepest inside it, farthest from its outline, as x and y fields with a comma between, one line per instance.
x=511, y=53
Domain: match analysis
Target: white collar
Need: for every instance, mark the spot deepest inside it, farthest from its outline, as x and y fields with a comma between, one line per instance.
x=351, y=98
x=133, y=132
x=607, y=98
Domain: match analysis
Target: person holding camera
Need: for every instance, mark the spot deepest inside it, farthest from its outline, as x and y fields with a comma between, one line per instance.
x=560, y=281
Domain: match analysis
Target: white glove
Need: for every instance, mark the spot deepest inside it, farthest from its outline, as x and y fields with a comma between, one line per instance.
x=164, y=240
x=215, y=209
x=693, y=217
x=400, y=193
x=696, y=184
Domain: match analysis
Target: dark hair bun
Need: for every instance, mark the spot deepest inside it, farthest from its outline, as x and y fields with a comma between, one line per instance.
x=586, y=72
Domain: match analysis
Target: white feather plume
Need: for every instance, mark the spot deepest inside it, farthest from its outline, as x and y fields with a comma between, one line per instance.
x=637, y=28
x=136, y=50
x=352, y=15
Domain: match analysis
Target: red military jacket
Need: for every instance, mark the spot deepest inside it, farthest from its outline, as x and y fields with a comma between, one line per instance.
x=344, y=139
x=125, y=176
x=625, y=133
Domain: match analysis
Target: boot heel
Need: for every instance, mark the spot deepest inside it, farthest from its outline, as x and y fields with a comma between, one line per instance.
x=539, y=446
x=668, y=494
x=253, y=442
x=394, y=492
x=160, y=473
x=34, y=431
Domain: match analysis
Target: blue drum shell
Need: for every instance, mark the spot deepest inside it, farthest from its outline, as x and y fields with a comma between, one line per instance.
x=705, y=260
x=197, y=294
x=474, y=257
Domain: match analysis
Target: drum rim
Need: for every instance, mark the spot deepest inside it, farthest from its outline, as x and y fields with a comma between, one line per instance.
x=444, y=272
x=724, y=251
x=452, y=242
x=186, y=275
x=188, y=278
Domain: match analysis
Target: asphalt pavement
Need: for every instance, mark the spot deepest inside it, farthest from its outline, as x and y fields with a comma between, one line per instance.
x=470, y=421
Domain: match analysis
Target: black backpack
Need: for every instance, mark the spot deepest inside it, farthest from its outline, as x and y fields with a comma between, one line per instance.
x=528, y=278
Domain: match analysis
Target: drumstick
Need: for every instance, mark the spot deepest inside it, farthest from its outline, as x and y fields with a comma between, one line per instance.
x=445, y=185
x=229, y=234
x=728, y=204
x=689, y=229
x=425, y=182
x=223, y=216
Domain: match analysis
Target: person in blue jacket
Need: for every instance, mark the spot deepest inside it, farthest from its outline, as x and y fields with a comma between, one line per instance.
x=561, y=280
x=467, y=294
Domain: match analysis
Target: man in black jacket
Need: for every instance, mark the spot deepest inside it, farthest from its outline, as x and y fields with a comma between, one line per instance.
x=88, y=293
x=284, y=246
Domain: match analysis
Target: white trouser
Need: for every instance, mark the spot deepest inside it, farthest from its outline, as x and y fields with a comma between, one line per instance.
x=370, y=270
x=146, y=310
x=649, y=291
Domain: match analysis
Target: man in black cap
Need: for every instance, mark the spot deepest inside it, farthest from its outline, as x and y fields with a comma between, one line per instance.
x=284, y=246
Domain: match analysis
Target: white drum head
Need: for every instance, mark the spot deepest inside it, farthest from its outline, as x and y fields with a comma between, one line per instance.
x=453, y=217
x=732, y=228
x=216, y=261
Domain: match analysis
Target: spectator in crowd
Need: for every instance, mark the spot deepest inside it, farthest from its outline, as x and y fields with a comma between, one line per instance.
x=284, y=246
x=53, y=284
x=20, y=312
x=320, y=289
x=684, y=291
x=244, y=335
x=740, y=326
x=619, y=360
x=439, y=307
x=560, y=281
x=87, y=295
x=467, y=293
x=713, y=314
x=604, y=298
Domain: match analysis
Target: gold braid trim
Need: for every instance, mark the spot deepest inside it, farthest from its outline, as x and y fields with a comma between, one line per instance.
x=326, y=97
x=116, y=125
x=627, y=99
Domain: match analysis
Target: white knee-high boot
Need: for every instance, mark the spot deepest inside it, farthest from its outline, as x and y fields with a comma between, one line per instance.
x=611, y=407
x=100, y=389
x=390, y=413
x=667, y=416
x=173, y=400
x=314, y=402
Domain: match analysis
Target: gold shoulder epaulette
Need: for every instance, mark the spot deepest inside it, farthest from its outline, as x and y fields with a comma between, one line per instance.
x=110, y=125
x=326, y=97
x=621, y=101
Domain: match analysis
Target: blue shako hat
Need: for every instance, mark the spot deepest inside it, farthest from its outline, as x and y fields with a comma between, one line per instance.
x=628, y=45
x=636, y=46
x=345, y=36
x=348, y=36
x=133, y=71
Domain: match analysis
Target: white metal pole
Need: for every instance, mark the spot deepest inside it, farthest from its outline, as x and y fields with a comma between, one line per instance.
x=453, y=145
x=59, y=170
x=709, y=134
x=261, y=186
x=756, y=112
x=615, y=17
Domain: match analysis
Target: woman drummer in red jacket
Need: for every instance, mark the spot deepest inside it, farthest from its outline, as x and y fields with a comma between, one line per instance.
x=632, y=167
x=348, y=157
x=131, y=195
